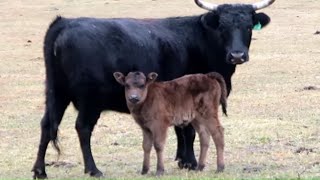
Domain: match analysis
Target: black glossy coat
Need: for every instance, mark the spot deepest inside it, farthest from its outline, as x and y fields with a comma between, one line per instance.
x=81, y=55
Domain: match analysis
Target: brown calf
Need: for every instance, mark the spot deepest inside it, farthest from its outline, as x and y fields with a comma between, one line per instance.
x=191, y=99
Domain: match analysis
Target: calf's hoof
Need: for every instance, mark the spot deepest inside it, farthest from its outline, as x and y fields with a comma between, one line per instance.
x=220, y=169
x=200, y=167
x=144, y=170
x=39, y=173
x=160, y=172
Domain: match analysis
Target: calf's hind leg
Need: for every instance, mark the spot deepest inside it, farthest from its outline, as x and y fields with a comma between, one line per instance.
x=204, y=137
x=216, y=131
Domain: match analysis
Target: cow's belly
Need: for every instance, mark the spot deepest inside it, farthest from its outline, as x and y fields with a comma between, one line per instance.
x=105, y=98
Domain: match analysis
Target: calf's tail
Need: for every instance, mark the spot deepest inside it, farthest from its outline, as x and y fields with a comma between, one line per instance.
x=223, y=87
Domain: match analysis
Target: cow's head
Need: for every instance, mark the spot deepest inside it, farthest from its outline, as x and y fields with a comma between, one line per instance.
x=136, y=85
x=233, y=25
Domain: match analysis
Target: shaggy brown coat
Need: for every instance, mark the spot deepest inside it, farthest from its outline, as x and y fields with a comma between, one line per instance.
x=191, y=99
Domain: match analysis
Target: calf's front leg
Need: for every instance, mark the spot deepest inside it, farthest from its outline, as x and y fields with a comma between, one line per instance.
x=147, y=145
x=159, y=137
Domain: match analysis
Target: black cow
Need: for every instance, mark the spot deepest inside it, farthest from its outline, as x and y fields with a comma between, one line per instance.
x=81, y=55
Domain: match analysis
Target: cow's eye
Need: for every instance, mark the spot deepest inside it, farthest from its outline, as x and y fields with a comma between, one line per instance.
x=127, y=86
x=141, y=86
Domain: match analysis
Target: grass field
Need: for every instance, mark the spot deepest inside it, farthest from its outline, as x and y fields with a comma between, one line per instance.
x=273, y=128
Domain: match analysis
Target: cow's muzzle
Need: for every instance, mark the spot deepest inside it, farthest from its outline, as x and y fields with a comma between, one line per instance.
x=237, y=57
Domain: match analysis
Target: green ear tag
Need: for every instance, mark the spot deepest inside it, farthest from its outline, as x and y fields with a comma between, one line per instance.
x=257, y=26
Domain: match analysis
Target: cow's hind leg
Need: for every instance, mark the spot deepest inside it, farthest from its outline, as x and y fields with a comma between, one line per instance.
x=55, y=107
x=185, y=153
x=86, y=120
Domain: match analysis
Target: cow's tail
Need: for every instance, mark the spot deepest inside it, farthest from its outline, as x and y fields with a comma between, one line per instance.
x=52, y=69
x=222, y=83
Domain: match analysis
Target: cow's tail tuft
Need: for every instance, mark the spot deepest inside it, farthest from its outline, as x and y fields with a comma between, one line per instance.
x=222, y=83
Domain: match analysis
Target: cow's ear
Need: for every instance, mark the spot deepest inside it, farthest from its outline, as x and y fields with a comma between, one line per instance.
x=152, y=77
x=210, y=20
x=260, y=20
x=119, y=77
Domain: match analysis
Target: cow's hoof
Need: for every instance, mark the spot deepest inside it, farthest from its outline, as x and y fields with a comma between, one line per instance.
x=96, y=173
x=180, y=165
x=191, y=165
x=39, y=174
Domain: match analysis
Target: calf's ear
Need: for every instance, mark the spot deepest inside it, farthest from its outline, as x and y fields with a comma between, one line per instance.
x=119, y=77
x=152, y=77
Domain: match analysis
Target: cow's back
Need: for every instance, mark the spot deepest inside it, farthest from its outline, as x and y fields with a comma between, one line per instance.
x=89, y=50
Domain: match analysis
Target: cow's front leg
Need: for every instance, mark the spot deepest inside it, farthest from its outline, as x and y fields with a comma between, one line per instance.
x=180, y=144
x=185, y=153
x=86, y=121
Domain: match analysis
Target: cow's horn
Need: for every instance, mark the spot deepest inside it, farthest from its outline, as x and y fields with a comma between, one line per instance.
x=262, y=4
x=206, y=5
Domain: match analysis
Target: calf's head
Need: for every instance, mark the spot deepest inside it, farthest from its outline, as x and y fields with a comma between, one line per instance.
x=136, y=85
x=232, y=25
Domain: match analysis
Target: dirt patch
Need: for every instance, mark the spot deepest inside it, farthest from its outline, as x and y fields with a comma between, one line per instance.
x=36, y=59
x=61, y=164
x=304, y=150
x=115, y=144
x=252, y=169
x=262, y=149
x=309, y=88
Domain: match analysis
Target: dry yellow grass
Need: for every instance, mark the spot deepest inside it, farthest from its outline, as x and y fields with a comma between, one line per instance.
x=273, y=128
